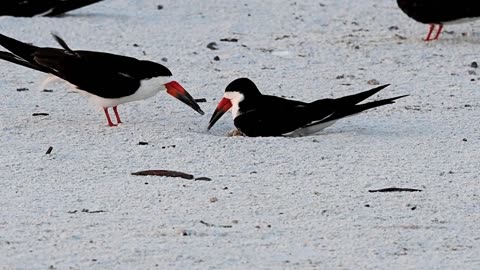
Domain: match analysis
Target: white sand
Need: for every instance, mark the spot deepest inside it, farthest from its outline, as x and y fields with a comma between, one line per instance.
x=291, y=203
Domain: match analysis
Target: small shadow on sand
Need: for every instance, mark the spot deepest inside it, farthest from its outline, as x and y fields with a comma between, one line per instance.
x=92, y=15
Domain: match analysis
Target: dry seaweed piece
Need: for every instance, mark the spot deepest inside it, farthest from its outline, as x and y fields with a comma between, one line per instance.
x=212, y=46
x=49, y=150
x=229, y=39
x=92, y=212
x=166, y=173
x=203, y=179
x=84, y=210
x=200, y=100
x=213, y=225
x=40, y=114
x=395, y=189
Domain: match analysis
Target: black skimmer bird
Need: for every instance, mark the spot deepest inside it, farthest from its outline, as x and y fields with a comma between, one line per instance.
x=440, y=12
x=107, y=79
x=30, y=8
x=255, y=114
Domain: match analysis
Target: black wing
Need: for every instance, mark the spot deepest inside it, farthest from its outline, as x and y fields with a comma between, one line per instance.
x=88, y=73
x=10, y=57
x=103, y=74
x=273, y=116
x=30, y=8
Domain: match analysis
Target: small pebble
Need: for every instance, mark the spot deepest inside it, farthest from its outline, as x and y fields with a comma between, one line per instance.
x=216, y=58
x=184, y=232
x=474, y=65
x=373, y=82
x=213, y=199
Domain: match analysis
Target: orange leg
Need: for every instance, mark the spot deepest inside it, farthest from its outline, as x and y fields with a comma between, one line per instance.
x=108, y=118
x=117, y=115
x=432, y=27
x=438, y=32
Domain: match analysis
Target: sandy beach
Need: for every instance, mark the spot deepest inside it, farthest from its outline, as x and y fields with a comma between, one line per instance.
x=272, y=203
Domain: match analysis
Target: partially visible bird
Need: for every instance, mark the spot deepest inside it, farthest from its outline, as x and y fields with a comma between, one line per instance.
x=107, y=79
x=30, y=8
x=440, y=12
x=255, y=114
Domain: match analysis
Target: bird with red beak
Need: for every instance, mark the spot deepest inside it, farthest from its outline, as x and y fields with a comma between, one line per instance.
x=107, y=79
x=255, y=114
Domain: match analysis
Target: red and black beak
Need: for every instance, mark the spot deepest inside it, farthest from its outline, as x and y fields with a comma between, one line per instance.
x=177, y=91
x=223, y=106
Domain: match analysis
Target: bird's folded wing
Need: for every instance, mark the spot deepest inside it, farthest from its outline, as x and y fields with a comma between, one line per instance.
x=96, y=77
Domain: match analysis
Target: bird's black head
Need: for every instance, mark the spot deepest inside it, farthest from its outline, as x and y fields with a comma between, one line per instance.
x=151, y=70
x=243, y=86
x=241, y=92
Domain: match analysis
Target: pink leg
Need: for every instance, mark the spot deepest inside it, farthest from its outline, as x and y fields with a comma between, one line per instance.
x=432, y=27
x=117, y=115
x=438, y=32
x=108, y=118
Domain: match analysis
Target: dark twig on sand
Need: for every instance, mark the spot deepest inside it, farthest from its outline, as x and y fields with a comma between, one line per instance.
x=213, y=225
x=394, y=189
x=165, y=173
